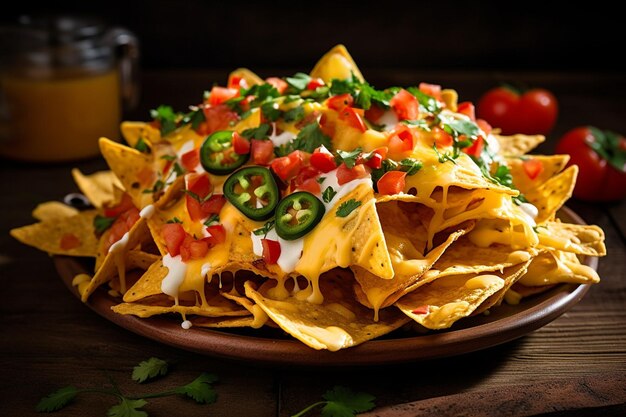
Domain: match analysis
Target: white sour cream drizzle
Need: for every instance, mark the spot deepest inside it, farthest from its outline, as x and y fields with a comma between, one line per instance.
x=186, y=325
x=175, y=275
x=282, y=138
x=147, y=211
x=120, y=244
x=290, y=250
x=388, y=120
x=330, y=180
x=530, y=212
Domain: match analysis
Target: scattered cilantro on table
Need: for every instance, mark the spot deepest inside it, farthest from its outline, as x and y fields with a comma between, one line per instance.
x=341, y=402
x=200, y=390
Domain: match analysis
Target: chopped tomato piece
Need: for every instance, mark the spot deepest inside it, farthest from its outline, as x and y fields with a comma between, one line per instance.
x=288, y=166
x=433, y=90
x=213, y=205
x=173, y=234
x=191, y=159
x=484, y=126
x=200, y=186
x=306, y=180
x=146, y=176
x=323, y=161
x=405, y=105
x=314, y=83
x=441, y=137
x=261, y=151
x=116, y=232
x=467, y=108
x=376, y=158
x=374, y=113
x=130, y=217
x=340, y=101
x=125, y=203
x=218, y=234
x=345, y=174
x=392, y=182
x=198, y=248
x=69, y=241
x=271, y=251
x=217, y=118
x=533, y=167
x=401, y=141
x=476, y=148
x=353, y=118
x=327, y=126
x=221, y=94
x=241, y=145
x=421, y=310
x=278, y=83
x=236, y=82
x=311, y=185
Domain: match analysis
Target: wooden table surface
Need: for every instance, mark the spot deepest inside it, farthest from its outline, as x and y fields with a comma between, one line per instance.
x=573, y=366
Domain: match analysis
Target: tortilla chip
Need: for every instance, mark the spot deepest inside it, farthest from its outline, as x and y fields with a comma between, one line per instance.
x=550, y=166
x=245, y=74
x=53, y=210
x=336, y=63
x=218, y=307
x=259, y=317
x=133, y=131
x=576, y=238
x=223, y=322
x=99, y=187
x=518, y=145
x=140, y=259
x=551, y=195
x=149, y=284
x=338, y=322
x=511, y=275
x=439, y=304
x=555, y=267
x=49, y=235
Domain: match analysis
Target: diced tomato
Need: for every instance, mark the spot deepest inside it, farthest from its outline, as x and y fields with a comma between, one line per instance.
x=218, y=234
x=191, y=159
x=533, y=167
x=433, y=90
x=421, y=310
x=405, y=105
x=236, y=82
x=402, y=140
x=173, y=234
x=241, y=145
x=441, y=137
x=69, y=241
x=200, y=185
x=376, y=158
x=146, y=176
x=198, y=249
x=130, y=217
x=340, y=101
x=391, y=182
x=221, y=94
x=323, y=161
x=261, y=151
x=217, y=118
x=327, y=126
x=278, y=83
x=306, y=180
x=271, y=251
x=314, y=83
x=476, y=148
x=374, y=113
x=353, y=118
x=484, y=126
x=125, y=203
x=311, y=185
x=467, y=108
x=288, y=166
x=345, y=174
x=168, y=165
x=213, y=205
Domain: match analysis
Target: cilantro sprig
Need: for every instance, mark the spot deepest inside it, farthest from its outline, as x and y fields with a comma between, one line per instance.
x=341, y=402
x=309, y=138
x=200, y=390
x=102, y=223
x=347, y=207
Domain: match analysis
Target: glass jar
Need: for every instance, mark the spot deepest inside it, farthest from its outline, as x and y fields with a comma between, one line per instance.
x=63, y=83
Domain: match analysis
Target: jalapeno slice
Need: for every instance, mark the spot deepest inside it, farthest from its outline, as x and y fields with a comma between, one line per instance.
x=297, y=214
x=217, y=154
x=253, y=191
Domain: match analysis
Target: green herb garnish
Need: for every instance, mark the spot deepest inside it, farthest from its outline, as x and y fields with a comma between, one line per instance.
x=347, y=207
x=341, y=402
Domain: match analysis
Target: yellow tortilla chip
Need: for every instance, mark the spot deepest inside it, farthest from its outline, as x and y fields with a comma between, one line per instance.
x=339, y=322
x=73, y=235
x=439, y=304
x=219, y=307
x=551, y=195
x=576, y=238
x=100, y=188
x=518, y=145
x=222, y=322
x=133, y=131
x=550, y=166
x=511, y=275
x=149, y=284
x=555, y=267
x=52, y=210
x=336, y=63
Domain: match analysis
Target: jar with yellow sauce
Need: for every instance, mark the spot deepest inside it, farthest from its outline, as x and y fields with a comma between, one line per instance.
x=63, y=83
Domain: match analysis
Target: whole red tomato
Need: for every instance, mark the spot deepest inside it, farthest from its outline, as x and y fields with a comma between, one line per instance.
x=601, y=159
x=533, y=112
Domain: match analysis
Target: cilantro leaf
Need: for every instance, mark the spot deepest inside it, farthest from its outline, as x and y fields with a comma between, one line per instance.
x=200, y=389
x=57, y=400
x=128, y=408
x=348, y=157
x=149, y=369
x=294, y=115
x=215, y=218
x=270, y=110
x=263, y=231
x=258, y=133
x=261, y=93
x=298, y=82
x=428, y=103
x=102, y=223
x=347, y=207
x=410, y=165
x=194, y=117
x=166, y=117
x=457, y=127
x=308, y=139
x=142, y=146
x=174, y=220
x=328, y=194
x=342, y=402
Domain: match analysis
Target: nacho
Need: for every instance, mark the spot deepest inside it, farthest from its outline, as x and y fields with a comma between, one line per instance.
x=101, y=188
x=517, y=145
x=53, y=210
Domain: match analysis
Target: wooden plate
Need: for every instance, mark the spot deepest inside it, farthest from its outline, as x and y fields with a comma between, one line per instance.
x=271, y=347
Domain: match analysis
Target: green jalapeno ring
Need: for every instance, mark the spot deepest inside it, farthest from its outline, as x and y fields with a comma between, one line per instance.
x=267, y=191
x=297, y=214
x=212, y=153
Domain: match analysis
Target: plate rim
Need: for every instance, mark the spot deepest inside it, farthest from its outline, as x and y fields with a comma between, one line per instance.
x=285, y=352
